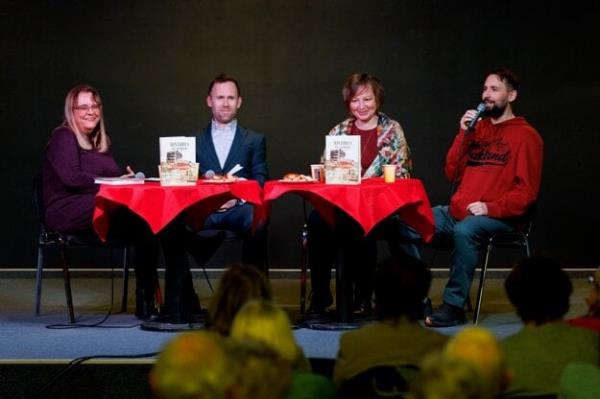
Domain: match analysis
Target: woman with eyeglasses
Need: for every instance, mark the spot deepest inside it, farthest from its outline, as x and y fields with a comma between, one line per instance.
x=79, y=151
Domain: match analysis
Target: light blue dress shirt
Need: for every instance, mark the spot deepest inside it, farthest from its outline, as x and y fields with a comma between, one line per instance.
x=222, y=136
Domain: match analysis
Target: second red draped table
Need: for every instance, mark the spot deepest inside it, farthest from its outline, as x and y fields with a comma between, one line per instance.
x=368, y=203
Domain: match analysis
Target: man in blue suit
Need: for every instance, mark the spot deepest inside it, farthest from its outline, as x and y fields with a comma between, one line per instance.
x=219, y=148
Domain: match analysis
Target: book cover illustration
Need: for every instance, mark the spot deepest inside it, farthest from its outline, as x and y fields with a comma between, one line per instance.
x=342, y=159
x=178, y=165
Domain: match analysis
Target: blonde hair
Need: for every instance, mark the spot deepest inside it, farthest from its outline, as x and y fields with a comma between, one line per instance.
x=481, y=348
x=445, y=377
x=98, y=140
x=193, y=365
x=266, y=322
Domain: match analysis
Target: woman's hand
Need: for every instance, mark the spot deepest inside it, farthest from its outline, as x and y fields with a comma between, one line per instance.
x=130, y=172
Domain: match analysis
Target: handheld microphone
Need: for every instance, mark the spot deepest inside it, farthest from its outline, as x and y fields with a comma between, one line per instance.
x=209, y=174
x=472, y=122
x=139, y=175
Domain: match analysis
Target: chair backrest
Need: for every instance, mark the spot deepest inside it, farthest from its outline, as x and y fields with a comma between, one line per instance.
x=379, y=382
x=37, y=197
x=46, y=236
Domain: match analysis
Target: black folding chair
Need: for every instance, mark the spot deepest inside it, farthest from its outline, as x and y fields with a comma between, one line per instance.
x=518, y=239
x=48, y=239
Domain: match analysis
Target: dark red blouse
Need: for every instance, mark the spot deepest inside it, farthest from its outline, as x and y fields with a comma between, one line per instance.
x=368, y=146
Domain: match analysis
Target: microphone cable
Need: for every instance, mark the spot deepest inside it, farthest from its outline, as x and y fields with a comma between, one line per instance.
x=98, y=324
x=80, y=360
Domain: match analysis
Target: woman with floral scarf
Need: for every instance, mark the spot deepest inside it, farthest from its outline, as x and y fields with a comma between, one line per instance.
x=382, y=143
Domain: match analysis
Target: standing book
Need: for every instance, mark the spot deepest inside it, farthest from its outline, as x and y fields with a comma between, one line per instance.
x=177, y=149
x=178, y=165
x=342, y=159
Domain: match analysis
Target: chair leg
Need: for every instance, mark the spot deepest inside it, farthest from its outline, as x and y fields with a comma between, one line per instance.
x=125, y=281
x=303, y=268
x=67, y=279
x=484, y=267
x=38, y=280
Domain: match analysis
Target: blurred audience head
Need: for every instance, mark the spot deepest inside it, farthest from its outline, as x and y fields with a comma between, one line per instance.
x=480, y=347
x=593, y=297
x=238, y=285
x=260, y=372
x=445, y=377
x=266, y=322
x=193, y=365
x=400, y=288
x=539, y=290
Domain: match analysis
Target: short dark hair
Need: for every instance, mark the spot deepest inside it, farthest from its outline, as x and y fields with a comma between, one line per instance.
x=401, y=285
x=539, y=289
x=358, y=80
x=222, y=78
x=509, y=78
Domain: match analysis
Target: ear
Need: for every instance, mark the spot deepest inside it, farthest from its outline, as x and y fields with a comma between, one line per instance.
x=512, y=95
x=239, y=102
x=209, y=101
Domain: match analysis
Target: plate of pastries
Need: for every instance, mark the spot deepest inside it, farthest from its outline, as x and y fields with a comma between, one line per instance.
x=220, y=179
x=296, y=178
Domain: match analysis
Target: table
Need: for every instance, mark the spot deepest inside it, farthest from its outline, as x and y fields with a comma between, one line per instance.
x=159, y=205
x=368, y=203
x=406, y=197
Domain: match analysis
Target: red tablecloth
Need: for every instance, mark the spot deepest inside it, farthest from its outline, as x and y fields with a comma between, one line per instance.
x=368, y=203
x=159, y=205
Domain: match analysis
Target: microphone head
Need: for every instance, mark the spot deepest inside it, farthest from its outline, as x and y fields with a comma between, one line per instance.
x=140, y=175
x=209, y=174
x=480, y=108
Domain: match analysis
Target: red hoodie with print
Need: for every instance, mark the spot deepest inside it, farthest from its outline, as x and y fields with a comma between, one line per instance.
x=498, y=164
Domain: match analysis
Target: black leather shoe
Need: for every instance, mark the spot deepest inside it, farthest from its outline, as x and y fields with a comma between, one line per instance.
x=145, y=308
x=172, y=323
x=362, y=311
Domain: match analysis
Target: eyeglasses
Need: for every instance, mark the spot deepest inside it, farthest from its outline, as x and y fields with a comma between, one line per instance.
x=87, y=107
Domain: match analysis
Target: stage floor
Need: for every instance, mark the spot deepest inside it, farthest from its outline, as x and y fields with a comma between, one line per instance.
x=25, y=337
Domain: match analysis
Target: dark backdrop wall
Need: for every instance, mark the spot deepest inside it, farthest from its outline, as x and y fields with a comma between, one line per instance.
x=152, y=61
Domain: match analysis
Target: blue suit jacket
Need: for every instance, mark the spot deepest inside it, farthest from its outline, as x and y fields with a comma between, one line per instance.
x=248, y=149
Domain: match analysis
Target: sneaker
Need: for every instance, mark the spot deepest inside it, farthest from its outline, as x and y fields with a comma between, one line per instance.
x=446, y=316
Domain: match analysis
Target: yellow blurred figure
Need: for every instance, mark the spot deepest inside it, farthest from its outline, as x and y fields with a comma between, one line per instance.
x=480, y=347
x=266, y=322
x=193, y=366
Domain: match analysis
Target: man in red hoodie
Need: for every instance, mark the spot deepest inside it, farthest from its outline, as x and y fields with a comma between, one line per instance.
x=497, y=167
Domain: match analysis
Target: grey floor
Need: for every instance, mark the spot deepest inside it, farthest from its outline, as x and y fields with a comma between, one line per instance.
x=25, y=337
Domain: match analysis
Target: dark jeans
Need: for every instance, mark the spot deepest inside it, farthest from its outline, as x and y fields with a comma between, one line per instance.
x=239, y=220
x=467, y=235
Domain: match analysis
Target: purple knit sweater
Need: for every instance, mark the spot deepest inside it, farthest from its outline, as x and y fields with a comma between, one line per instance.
x=68, y=181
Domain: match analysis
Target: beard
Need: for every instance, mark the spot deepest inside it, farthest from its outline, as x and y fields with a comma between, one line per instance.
x=496, y=111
